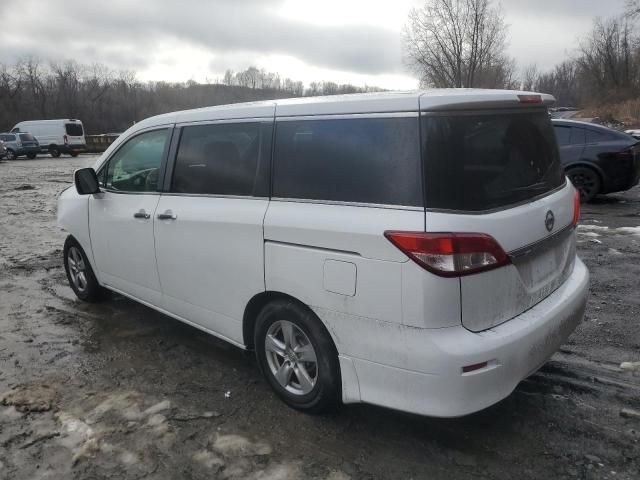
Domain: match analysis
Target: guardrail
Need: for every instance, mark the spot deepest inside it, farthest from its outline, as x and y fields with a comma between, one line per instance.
x=99, y=143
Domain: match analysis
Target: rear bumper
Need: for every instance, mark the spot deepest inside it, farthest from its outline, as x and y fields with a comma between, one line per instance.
x=79, y=148
x=427, y=377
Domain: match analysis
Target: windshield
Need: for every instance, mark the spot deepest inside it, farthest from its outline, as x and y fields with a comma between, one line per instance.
x=478, y=161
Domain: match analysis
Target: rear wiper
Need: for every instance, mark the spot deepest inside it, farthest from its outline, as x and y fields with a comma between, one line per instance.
x=534, y=186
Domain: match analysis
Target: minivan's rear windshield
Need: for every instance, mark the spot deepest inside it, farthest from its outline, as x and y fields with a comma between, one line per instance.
x=74, y=129
x=478, y=161
x=26, y=137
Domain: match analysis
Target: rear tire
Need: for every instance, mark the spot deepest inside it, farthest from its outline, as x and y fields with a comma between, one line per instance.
x=587, y=181
x=74, y=154
x=54, y=151
x=80, y=274
x=297, y=357
x=31, y=156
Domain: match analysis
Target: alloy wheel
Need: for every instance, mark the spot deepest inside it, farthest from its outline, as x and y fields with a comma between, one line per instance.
x=586, y=183
x=291, y=357
x=77, y=269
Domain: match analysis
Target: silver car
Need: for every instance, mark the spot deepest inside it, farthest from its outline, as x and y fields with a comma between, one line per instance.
x=19, y=144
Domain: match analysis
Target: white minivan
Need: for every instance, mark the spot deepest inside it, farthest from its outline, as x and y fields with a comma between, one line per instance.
x=56, y=136
x=410, y=250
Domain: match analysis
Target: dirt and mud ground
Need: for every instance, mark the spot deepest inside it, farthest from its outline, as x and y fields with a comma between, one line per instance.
x=116, y=390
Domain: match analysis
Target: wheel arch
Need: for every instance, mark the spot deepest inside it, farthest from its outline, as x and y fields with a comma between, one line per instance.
x=255, y=306
x=73, y=217
x=586, y=164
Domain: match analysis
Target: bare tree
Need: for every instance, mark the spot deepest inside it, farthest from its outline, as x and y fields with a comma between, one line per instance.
x=457, y=43
x=607, y=60
x=530, y=78
x=633, y=8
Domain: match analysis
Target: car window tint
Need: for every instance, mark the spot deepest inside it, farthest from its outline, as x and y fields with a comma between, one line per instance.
x=27, y=137
x=488, y=161
x=367, y=160
x=594, y=136
x=73, y=129
x=563, y=134
x=223, y=159
x=135, y=165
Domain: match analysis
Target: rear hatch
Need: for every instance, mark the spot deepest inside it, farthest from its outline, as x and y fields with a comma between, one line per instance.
x=497, y=172
x=75, y=133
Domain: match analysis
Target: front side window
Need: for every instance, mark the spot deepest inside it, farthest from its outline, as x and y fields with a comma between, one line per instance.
x=135, y=166
x=223, y=159
x=361, y=160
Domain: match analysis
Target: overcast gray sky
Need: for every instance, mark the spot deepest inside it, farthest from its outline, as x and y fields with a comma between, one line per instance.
x=347, y=41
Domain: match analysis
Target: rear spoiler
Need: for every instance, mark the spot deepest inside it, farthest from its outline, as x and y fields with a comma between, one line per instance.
x=469, y=99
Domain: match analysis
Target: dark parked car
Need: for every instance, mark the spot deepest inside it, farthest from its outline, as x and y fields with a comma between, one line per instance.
x=597, y=159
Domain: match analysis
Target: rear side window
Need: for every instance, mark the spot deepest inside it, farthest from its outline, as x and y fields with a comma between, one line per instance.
x=594, y=136
x=365, y=160
x=74, y=129
x=476, y=162
x=26, y=137
x=223, y=159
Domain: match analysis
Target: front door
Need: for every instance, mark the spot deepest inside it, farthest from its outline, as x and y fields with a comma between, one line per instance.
x=208, y=227
x=121, y=217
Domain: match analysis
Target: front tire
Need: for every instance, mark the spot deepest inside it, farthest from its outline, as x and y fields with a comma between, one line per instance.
x=587, y=181
x=80, y=275
x=297, y=357
x=11, y=155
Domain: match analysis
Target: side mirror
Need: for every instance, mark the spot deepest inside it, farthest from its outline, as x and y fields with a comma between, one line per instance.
x=86, y=181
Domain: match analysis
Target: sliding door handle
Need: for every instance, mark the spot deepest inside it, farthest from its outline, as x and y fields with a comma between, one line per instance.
x=168, y=215
x=142, y=214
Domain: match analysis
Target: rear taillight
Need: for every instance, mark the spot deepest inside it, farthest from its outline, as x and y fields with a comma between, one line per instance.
x=451, y=254
x=66, y=140
x=576, y=207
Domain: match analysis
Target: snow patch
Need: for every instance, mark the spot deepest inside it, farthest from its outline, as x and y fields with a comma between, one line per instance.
x=589, y=234
x=593, y=227
x=629, y=230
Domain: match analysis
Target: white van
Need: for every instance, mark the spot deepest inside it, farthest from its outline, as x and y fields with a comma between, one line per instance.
x=56, y=136
x=410, y=250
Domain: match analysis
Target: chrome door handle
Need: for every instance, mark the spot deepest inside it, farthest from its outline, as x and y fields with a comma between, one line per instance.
x=142, y=214
x=168, y=215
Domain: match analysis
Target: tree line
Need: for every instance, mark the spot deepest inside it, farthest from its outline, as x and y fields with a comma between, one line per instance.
x=463, y=43
x=111, y=101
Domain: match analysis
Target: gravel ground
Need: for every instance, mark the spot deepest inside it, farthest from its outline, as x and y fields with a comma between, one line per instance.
x=117, y=390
